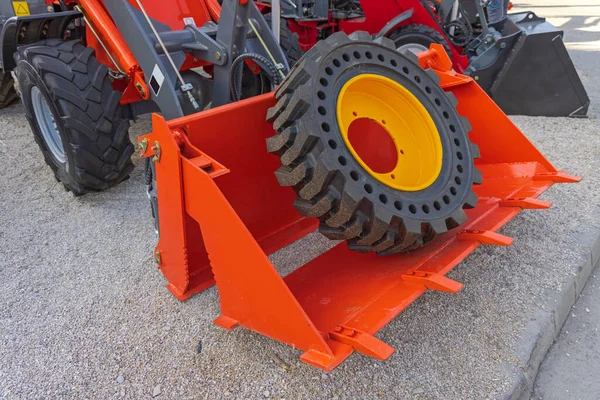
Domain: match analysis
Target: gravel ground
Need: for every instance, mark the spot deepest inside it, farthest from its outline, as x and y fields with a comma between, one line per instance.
x=85, y=314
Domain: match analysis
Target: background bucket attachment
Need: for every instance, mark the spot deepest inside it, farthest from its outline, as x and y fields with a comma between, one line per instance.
x=527, y=70
x=222, y=212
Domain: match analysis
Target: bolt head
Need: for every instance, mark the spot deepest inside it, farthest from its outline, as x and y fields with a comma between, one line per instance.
x=218, y=55
x=140, y=89
x=143, y=146
x=157, y=151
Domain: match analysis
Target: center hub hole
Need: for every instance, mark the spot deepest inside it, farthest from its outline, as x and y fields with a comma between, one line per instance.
x=373, y=144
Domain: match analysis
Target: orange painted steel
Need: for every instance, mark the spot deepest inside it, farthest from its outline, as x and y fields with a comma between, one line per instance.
x=174, y=12
x=214, y=9
x=221, y=212
x=96, y=13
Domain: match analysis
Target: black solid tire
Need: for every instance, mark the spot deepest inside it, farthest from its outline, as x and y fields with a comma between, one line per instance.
x=8, y=94
x=92, y=124
x=329, y=182
x=419, y=34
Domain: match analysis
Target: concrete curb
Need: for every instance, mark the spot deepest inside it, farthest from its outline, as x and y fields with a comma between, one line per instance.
x=547, y=324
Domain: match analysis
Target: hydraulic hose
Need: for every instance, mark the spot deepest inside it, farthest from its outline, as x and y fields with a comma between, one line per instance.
x=464, y=35
x=271, y=71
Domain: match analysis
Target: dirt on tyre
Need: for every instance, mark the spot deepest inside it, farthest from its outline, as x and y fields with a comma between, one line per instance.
x=75, y=115
x=417, y=38
x=372, y=146
x=8, y=94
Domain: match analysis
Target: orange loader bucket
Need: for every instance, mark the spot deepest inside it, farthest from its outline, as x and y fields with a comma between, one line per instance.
x=222, y=212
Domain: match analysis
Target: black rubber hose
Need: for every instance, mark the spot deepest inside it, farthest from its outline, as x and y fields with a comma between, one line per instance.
x=271, y=71
x=464, y=27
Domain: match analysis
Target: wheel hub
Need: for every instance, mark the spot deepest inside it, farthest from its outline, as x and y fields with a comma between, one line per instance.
x=47, y=124
x=414, y=48
x=389, y=132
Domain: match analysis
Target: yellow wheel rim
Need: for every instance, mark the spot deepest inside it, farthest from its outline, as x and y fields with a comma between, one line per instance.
x=389, y=132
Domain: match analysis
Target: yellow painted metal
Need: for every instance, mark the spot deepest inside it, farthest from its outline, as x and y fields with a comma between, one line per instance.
x=404, y=118
x=21, y=8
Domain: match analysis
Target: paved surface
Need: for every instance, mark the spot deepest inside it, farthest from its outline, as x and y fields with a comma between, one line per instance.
x=569, y=370
x=571, y=367
x=85, y=314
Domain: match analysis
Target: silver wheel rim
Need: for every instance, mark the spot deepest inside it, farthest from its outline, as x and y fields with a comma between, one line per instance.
x=47, y=124
x=413, y=48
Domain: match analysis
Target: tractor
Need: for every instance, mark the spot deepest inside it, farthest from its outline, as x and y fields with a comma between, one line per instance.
x=407, y=163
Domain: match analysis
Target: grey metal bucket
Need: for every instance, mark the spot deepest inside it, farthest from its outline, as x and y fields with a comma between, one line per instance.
x=527, y=70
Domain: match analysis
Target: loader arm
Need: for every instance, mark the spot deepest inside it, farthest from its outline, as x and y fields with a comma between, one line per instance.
x=152, y=52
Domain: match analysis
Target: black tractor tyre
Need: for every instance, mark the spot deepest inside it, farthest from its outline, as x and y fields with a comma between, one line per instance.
x=8, y=94
x=255, y=84
x=150, y=181
x=419, y=34
x=330, y=183
x=91, y=125
x=288, y=41
x=202, y=91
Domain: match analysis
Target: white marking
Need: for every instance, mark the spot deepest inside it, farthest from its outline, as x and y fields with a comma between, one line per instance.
x=159, y=77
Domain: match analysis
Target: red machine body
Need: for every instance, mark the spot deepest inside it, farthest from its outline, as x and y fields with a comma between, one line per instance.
x=377, y=13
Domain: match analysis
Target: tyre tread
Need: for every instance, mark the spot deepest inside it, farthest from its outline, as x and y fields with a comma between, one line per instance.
x=97, y=127
x=423, y=30
x=323, y=191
